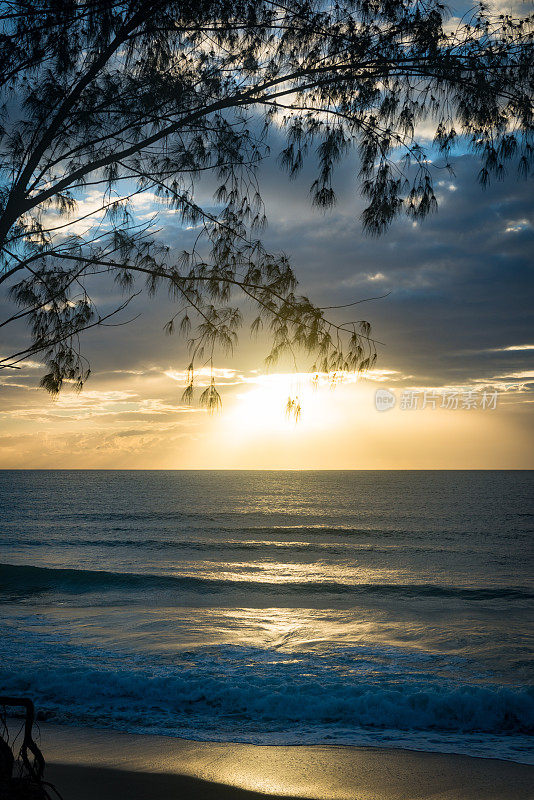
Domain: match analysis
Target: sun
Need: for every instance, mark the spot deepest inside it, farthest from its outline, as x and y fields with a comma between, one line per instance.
x=283, y=403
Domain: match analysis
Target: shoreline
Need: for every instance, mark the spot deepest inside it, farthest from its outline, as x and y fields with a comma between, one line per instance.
x=85, y=763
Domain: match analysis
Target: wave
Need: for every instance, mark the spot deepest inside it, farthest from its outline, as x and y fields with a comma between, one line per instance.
x=217, y=525
x=251, y=690
x=209, y=545
x=20, y=580
x=227, y=545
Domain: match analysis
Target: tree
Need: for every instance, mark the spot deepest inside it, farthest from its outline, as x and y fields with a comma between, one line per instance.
x=129, y=96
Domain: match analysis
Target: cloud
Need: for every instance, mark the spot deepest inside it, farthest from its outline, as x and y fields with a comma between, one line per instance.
x=203, y=375
x=513, y=348
x=458, y=313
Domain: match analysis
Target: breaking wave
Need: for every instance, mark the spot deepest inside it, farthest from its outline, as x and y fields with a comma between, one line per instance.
x=19, y=580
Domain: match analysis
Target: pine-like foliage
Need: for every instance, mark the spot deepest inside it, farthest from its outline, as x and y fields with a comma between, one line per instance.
x=119, y=98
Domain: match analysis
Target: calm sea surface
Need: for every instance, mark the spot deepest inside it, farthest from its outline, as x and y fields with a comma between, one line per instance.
x=374, y=608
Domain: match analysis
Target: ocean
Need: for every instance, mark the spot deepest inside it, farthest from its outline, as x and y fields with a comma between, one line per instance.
x=389, y=609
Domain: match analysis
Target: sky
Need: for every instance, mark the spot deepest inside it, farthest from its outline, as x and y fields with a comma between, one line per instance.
x=456, y=357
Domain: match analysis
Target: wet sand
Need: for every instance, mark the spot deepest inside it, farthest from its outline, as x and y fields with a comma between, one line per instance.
x=86, y=764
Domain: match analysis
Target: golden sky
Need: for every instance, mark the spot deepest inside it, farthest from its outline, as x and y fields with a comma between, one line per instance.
x=456, y=313
x=133, y=419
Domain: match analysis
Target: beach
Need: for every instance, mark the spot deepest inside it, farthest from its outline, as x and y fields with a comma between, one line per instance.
x=85, y=764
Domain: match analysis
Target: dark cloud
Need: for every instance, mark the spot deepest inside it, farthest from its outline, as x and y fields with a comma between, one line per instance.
x=459, y=283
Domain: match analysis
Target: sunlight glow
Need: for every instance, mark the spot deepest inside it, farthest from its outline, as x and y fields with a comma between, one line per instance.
x=264, y=407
